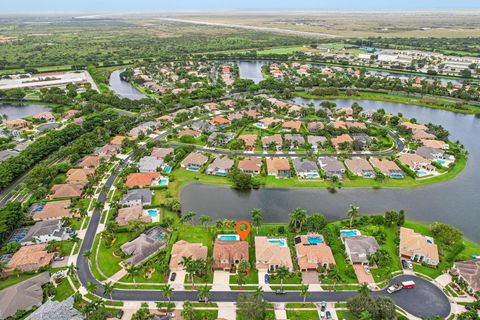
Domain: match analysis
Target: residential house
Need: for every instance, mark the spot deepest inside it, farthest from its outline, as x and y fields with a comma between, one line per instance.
x=312, y=252
x=203, y=126
x=415, y=162
x=194, y=161
x=359, y=248
x=45, y=231
x=149, y=164
x=79, y=176
x=278, y=167
x=293, y=125
x=332, y=167
x=468, y=271
x=275, y=140
x=44, y=116
x=252, y=113
x=270, y=254
x=90, y=162
x=388, y=168
x=7, y=154
x=436, y=144
x=413, y=126
x=431, y=153
x=56, y=310
x=294, y=140
x=137, y=197
x=54, y=210
x=235, y=116
x=267, y=122
x=143, y=128
x=252, y=165
x=117, y=140
x=220, y=166
x=220, y=121
x=220, y=138
x=342, y=139
x=416, y=247
x=316, y=141
x=360, y=167
x=66, y=190
x=362, y=139
x=23, y=296
x=315, y=126
x=161, y=153
x=17, y=124
x=145, y=245
x=132, y=213
x=186, y=249
x=71, y=113
x=348, y=112
x=47, y=126
x=141, y=179
x=419, y=135
x=190, y=132
x=30, y=258
x=228, y=254
x=339, y=124
x=294, y=109
x=250, y=141
x=305, y=168
x=107, y=151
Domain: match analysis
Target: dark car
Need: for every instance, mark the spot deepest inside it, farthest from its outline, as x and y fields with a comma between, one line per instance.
x=404, y=264
x=280, y=291
x=173, y=276
x=267, y=278
x=328, y=315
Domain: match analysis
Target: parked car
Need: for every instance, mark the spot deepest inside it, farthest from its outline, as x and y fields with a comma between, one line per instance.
x=367, y=269
x=170, y=315
x=404, y=264
x=323, y=308
x=58, y=258
x=328, y=315
x=267, y=278
x=173, y=276
x=280, y=291
x=394, y=288
x=408, y=284
x=410, y=265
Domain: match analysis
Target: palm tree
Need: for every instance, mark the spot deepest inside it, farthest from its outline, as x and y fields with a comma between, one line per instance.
x=87, y=254
x=364, y=290
x=282, y=274
x=204, y=219
x=365, y=315
x=133, y=271
x=188, y=216
x=240, y=279
x=352, y=213
x=243, y=266
x=258, y=292
x=257, y=218
x=204, y=293
x=71, y=269
x=167, y=291
x=188, y=265
x=298, y=218
x=187, y=312
x=108, y=289
x=304, y=293
x=91, y=287
x=334, y=275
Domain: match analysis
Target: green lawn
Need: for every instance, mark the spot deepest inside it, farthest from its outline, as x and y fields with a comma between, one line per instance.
x=63, y=291
x=196, y=234
x=14, y=279
x=284, y=50
x=108, y=263
x=270, y=315
x=251, y=278
x=302, y=315
x=345, y=314
x=205, y=314
x=296, y=305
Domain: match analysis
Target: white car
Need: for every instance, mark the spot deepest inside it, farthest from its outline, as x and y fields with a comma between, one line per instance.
x=367, y=269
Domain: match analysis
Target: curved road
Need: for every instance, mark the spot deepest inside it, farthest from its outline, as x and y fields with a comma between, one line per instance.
x=425, y=300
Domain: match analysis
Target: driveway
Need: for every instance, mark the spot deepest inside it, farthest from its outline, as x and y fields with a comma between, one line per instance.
x=221, y=280
x=179, y=280
x=310, y=277
x=362, y=276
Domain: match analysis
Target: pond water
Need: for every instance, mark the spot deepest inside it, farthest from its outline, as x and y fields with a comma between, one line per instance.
x=251, y=70
x=456, y=202
x=17, y=111
x=123, y=88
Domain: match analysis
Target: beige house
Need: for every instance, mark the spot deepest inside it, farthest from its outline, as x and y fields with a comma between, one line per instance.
x=79, y=176
x=228, y=254
x=30, y=258
x=417, y=247
x=279, y=168
x=252, y=165
x=186, y=249
x=272, y=253
x=194, y=161
x=54, y=210
x=132, y=213
x=312, y=252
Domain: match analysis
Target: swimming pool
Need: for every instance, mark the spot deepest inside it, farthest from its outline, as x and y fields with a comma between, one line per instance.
x=278, y=242
x=259, y=125
x=229, y=237
x=152, y=213
x=314, y=239
x=163, y=181
x=312, y=175
x=221, y=173
x=193, y=169
x=349, y=233
x=421, y=172
x=440, y=161
x=168, y=169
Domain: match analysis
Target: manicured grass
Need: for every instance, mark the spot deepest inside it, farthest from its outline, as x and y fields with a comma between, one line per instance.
x=270, y=315
x=431, y=272
x=295, y=278
x=302, y=314
x=196, y=234
x=345, y=314
x=183, y=177
x=284, y=50
x=205, y=314
x=341, y=288
x=251, y=278
x=63, y=290
x=14, y=279
x=286, y=288
x=108, y=263
x=296, y=305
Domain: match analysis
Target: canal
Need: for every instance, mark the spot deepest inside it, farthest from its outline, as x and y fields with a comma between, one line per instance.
x=122, y=88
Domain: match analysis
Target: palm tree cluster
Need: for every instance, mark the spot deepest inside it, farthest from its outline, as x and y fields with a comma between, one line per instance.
x=195, y=267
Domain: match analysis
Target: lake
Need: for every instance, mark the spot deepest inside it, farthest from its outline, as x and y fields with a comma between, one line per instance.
x=123, y=88
x=456, y=202
x=251, y=70
x=17, y=111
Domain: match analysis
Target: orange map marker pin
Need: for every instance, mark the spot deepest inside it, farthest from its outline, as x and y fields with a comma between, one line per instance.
x=243, y=233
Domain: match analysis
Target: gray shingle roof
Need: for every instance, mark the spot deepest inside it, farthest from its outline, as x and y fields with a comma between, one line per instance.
x=145, y=195
x=56, y=310
x=304, y=165
x=44, y=228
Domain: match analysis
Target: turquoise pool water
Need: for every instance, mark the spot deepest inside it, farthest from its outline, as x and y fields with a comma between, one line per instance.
x=193, y=168
x=349, y=233
x=163, y=182
x=312, y=175
x=278, y=242
x=221, y=174
x=259, y=125
x=168, y=169
x=440, y=161
x=152, y=213
x=421, y=172
x=314, y=240
x=228, y=237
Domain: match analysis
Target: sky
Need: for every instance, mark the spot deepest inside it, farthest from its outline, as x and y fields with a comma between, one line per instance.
x=32, y=6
